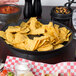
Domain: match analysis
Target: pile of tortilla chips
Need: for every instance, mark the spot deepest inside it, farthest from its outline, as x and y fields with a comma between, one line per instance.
x=52, y=36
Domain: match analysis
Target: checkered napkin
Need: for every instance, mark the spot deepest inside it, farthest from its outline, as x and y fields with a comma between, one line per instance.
x=37, y=67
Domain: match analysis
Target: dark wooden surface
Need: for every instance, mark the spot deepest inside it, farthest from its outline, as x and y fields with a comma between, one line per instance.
x=68, y=55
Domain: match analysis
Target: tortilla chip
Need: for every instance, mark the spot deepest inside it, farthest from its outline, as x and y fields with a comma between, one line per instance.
x=38, y=25
x=59, y=41
x=13, y=29
x=19, y=38
x=10, y=43
x=50, y=24
x=63, y=34
x=44, y=40
x=64, y=29
x=69, y=35
x=9, y=37
x=20, y=46
x=32, y=45
x=36, y=43
x=67, y=38
x=58, y=46
x=47, y=47
x=3, y=34
x=51, y=30
x=56, y=28
x=27, y=30
x=37, y=31
x=33, y=23
x=23, y=24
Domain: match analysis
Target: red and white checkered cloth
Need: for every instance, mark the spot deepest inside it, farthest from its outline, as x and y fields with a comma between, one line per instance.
x=37, y=67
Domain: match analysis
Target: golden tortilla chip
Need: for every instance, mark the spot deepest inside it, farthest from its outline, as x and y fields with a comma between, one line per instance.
x=58, y=46
x=13, y=29
x=3, y=34
x=56, y=28
x=8, y=42
x=64, y=29
x=32, y=45
x=59, y=41
x=27, y=30
x=63, y=34
x=46, y=47
x=47, y=38
x=44, y=40
x=38, y=25
x=9, y=37
x=19, y=38
x=69, y=35
x=37, y=31
x=51, y=31
x=23, y=24
x=33, y=23
x=20, y=46
x=52, y=38
x=50, y=24
x=36, y=43
x=67, y=38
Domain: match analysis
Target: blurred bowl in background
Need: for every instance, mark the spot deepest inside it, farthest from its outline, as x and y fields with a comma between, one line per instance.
x=56, y=15
x=9, y=13
x=61, y=17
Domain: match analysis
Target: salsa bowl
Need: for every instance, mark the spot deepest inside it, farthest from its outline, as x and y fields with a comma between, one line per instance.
x=9, y=13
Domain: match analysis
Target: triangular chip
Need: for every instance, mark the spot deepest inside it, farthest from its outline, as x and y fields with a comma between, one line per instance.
x=13, y=29
x=58, y=46
x=46, y=47
x=32, y=45
x=9, y=37
x=3, y=34
x=19, y=38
